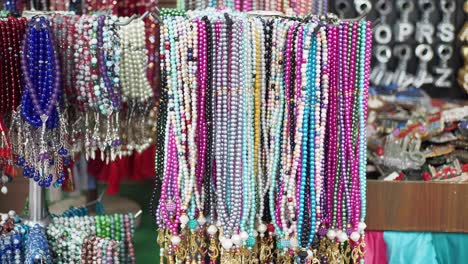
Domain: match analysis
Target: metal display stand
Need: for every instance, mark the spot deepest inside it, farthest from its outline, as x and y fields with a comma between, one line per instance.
x=37, y=206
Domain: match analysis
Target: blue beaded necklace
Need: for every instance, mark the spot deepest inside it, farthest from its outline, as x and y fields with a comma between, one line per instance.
x=39, y=108
x=308, y=146
x=41, y=75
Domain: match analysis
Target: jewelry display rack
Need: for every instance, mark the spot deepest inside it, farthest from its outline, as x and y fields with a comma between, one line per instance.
x=37, y=207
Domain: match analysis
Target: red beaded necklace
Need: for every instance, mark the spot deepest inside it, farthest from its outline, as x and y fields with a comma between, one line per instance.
x=12, y=31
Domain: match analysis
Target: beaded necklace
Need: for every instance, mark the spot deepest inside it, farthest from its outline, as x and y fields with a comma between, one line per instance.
x=309, y=118
x=201, y=138
x=322, y=75
x=228, y=199
x=249, y=186
x=278, y=83
x=286, y=158
x=258, y=92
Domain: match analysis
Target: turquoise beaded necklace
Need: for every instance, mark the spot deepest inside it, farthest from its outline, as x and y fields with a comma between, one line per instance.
x=308, y=146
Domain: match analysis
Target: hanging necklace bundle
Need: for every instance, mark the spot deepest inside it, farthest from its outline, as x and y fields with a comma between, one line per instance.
x=261, y=150
x=39, y=127
x=11, y=36
x=136, y=88
x=108, y=62
x=80, y=238
x=80, y=84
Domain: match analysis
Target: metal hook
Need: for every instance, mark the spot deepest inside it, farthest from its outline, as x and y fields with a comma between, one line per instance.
x=153, y=15
x=32, y=5
x=95, y=201
x=126, y=22
x=356, y=19
x=138, y=213
x=133, y=17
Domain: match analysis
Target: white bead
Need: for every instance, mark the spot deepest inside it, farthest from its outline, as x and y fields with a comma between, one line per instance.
x=212, y=229
x=342, y=237
x=4, y=217
x=184, y=219
x=309, y=254
x=227, y=244
x=361, y=226
x=201, y=220
x=355, y=236
x=237, y=240
x=12, y=213
x=262, y=228
x=294, y=243
x=244, y=235
x=4, y=190
x=331, y=234
x=175, y=240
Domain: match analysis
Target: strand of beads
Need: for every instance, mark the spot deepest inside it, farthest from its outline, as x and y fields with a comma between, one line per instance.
x=37, y=249
x=99, y=249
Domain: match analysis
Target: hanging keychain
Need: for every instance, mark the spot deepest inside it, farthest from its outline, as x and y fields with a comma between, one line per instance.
x=383, y=37
x=462, y=77
x=425, y=54
x=383, y=32
x=401, y=77
x=446, y=29
x=342, y=8
x=403, y=27
x=444, y=72
x=383, y=55
x=425, y=29
x=362, y=6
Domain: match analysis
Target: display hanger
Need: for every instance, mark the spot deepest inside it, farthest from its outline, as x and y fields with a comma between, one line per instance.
x=266, y=13
x=146, y=14
x=99, y=199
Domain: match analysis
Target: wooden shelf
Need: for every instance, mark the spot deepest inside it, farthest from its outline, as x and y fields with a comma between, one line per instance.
x=401, y=206
x=417, y=206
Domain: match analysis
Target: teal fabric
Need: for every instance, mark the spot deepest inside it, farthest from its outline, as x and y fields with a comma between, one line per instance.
x=451, y=248
x=426, y=248
x=410, y=248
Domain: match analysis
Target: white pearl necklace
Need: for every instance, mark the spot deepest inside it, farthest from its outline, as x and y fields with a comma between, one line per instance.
x=135, y=85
